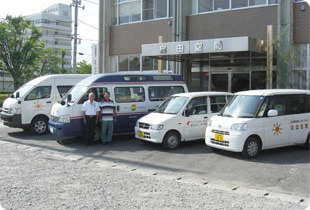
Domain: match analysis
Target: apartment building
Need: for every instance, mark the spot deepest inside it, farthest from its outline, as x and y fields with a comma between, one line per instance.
x=55, y=23
x=215, y=45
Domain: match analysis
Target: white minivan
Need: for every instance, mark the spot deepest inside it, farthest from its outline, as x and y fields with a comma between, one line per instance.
x=261, y=119
x=181, y=117
x=30, y=105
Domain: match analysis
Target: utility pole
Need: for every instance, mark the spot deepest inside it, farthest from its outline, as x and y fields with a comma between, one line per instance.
x=76, y=4
x=101, y=38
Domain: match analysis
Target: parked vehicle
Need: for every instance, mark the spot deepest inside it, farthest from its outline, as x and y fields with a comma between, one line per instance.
x=30, y=105
x=134, y=94
x=181, y=117
x=261, y=119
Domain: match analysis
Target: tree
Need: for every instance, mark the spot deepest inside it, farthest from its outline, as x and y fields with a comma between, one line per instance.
x=47, y=63
x=83, y=68
x=19, y=47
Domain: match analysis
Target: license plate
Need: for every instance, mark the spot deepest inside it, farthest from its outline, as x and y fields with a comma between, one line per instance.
x=219, y=137
x=141, y=134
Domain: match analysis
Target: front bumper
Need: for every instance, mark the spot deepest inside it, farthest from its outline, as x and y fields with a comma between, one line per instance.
x=74, y=128
x=233, y=141
x=155, y=136
x=12, y=120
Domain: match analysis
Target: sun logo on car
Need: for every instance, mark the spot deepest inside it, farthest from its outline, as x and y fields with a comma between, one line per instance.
x=37, y=106
x=277, y=129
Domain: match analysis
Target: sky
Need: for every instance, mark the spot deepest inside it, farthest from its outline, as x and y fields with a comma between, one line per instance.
x=87, y=25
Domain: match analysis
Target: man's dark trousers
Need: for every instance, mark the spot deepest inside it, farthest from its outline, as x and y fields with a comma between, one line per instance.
x=90, y=129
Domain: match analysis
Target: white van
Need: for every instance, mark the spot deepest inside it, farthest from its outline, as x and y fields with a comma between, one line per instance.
x=261, y=119
x=135, y=94
x=30, y=105
x=181, y=117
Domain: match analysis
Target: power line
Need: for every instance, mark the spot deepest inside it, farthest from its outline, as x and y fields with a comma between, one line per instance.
x=88, y=25
x=92, y=2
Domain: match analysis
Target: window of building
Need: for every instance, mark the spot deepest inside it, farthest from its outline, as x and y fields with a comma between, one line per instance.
x=133, y=63
x=273, y=1
x=128, y=11
x=205, y=5
x=257, y=2
x=129, y=63
x=202, y=6
x=239, y=3
x=221, y=5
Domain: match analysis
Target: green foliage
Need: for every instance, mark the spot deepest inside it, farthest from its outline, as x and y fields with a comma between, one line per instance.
x=20, y=47
x=47, y=63
x=83, y=68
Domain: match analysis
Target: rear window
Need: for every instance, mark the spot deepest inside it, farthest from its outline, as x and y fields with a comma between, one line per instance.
x=217, y=103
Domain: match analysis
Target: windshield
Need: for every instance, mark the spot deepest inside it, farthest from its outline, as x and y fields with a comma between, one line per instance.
x=75, y=93
x=23, y=90
x=242, y=106
x=172, y=105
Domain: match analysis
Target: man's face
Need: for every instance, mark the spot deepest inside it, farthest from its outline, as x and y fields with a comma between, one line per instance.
x=106, y=96
x=91, y=97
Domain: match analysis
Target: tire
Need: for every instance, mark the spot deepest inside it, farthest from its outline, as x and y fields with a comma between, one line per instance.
x=251, y=148
x=172, y=140
x=97, y=137
x=307, y=143
x=39, y=125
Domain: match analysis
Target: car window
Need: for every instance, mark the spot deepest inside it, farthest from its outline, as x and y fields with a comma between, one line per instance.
x=39, y=93
x=129, y=94
x=197, y=106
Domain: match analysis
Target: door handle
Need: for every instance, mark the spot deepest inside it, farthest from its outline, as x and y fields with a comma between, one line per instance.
x=117, y=108
x=205, y=117
x=48, y=102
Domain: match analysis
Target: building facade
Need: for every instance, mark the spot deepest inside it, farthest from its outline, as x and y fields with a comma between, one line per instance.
x=215, y=45
x=55, y=23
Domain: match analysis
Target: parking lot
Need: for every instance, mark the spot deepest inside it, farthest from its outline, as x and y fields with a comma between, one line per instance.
x=279, y=173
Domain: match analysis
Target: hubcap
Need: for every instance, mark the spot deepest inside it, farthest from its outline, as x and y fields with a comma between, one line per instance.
x=252, y=148
x=40, y=127
x=172, y=141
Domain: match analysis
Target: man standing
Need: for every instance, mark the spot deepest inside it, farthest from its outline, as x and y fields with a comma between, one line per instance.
x=91, y=113
x=108, y=117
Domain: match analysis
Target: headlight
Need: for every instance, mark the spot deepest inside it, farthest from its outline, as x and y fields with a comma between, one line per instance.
x=157, y=127
x=64, y=119
x=210, y=123
x=14, y=111
x=239, y=126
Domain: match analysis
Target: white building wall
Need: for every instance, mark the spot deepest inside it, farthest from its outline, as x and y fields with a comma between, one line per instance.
x=55, y=23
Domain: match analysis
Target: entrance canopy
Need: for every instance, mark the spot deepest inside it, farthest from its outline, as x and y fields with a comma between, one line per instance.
x=200, y=50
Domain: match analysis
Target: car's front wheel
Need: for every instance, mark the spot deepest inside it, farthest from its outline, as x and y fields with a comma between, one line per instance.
x=251, y=147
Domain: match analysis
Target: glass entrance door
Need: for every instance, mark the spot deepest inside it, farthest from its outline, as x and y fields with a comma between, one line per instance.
x=219, y=82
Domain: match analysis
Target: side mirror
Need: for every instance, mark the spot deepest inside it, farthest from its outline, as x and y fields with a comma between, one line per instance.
x=69, y=97
x=186, y=113
x=272, y=113
x=17, y=94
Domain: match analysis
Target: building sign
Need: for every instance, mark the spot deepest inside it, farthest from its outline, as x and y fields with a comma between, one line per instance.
x=218, y=45
x=163, y=49
x=198, y=47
